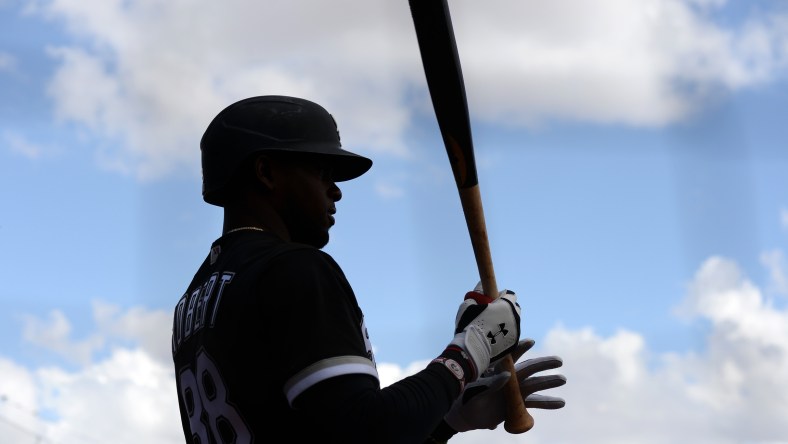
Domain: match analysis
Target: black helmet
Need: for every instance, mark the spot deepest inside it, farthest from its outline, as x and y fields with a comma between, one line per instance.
x=271, y=123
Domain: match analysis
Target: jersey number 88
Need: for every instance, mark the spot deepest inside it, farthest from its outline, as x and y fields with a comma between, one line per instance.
x=210, y=414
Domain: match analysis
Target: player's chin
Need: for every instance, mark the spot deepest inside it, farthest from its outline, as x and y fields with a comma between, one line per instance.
x=315, y=238
x=322, y=242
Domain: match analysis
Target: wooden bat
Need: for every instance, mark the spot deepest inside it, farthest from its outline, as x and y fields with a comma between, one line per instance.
x=441, y=61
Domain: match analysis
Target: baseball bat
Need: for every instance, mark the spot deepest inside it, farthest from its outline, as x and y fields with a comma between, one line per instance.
x=441, y=61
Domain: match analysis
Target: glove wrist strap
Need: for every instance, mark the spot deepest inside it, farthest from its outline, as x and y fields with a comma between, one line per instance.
x=458, y=363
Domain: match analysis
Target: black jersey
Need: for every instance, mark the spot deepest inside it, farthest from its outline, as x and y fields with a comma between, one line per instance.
x=263, y=321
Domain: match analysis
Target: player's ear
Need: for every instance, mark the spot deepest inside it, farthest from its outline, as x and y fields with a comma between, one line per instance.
x=262, y=171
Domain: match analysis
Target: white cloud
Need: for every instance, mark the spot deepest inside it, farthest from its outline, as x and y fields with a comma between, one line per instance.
x=17, y=395
x=391, y=373
x=721, y=294
x=642, y=63
x=148, y=76
x=129, y=392
x=138, y=325
x=733, y=391
x=54, y=334
x=618, y=391
x=129, y=397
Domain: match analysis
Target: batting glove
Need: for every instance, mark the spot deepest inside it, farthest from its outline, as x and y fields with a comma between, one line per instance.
x=482, y=404
x=485, y=331
x=498, y=321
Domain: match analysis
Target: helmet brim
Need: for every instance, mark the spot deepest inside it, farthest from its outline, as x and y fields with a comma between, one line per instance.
x=344, y=164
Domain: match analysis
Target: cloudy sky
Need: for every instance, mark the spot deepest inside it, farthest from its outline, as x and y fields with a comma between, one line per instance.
x=632, y=160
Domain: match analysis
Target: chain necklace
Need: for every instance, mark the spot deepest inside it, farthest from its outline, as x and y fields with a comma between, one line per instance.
x=243, y=228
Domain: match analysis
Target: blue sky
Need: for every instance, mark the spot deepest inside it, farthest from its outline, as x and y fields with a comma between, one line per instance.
x=632, y=163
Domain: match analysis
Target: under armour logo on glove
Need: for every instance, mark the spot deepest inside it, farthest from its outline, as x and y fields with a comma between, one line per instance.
x=501, y=331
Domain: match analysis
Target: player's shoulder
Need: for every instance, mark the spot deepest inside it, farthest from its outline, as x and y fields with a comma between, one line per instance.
x=303, y=255
x=266, y=251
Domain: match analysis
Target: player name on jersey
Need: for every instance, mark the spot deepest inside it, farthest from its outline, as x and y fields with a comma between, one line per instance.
x=198, y=308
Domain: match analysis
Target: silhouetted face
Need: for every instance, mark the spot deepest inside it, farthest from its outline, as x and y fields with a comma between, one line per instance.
x=306, y=195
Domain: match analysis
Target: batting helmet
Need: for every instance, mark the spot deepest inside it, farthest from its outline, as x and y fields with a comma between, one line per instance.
x=271, y=123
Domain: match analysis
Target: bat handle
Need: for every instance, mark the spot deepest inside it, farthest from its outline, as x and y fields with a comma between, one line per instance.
x=518, y=420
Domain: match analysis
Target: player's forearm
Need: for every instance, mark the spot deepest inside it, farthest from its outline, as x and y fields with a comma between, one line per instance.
x=404, y=412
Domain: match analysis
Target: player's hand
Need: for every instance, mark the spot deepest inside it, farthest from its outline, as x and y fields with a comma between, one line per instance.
x=482, y=405
x=495, y=321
